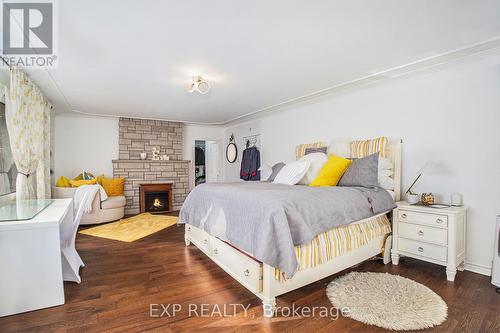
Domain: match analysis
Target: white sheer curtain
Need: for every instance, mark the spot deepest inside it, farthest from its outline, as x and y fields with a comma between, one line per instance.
x=5, y=158
x=28, y=122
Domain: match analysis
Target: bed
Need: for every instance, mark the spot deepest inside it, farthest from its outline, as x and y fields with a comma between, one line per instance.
x=276, y=238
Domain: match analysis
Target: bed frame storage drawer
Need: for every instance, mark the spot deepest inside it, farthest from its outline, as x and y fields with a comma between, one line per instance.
x=200, y=237
x=423, y=233
x=433, y=220
x=244, y=269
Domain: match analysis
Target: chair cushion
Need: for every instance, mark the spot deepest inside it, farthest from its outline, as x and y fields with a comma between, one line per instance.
x=113, y=186
x=63, y=182
x=114, y=202
x=77, y=183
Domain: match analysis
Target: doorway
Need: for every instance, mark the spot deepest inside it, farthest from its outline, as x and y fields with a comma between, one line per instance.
x=207, y=156
x=199, y=165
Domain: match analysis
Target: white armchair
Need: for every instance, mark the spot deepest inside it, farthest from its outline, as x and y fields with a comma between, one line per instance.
x=111, y=209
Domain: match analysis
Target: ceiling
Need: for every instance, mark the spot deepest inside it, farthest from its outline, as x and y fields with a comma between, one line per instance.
x=136, y=58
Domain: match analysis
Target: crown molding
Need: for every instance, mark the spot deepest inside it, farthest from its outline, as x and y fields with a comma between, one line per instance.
x=112, y=116
x=426, y=64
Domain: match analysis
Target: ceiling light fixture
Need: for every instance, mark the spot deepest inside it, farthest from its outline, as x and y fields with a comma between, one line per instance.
x=200, y=85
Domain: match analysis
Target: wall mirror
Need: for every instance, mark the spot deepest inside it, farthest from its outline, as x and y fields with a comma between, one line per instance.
x=231, y=150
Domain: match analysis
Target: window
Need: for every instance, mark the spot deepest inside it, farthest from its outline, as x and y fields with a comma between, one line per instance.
x=8, y=170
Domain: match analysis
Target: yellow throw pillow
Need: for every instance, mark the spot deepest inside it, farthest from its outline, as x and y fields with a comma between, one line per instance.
x=79, y=177
x=331, y=172
x=99, y=179
x=113, y=186
x=76, y=183
x=63, y=182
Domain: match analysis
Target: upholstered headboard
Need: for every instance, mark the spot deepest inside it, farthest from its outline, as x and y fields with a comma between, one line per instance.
x=342, y=147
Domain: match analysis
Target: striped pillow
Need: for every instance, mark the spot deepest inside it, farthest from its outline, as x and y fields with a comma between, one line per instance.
x=315, y=150
x=363, y=148
x=300, y=150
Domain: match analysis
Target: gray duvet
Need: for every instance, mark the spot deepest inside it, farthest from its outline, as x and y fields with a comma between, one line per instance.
x=268, y=220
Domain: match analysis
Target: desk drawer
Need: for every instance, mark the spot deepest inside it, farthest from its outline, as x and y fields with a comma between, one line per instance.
x=422, y=249
x=200, y=237
x=423, y=233
x=433, y=220
x=240, y=266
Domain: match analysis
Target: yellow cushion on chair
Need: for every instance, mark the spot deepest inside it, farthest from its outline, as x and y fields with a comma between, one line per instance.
x=113, y=186
x=76, y=183
x=63, y=182
x=99, y=179
x=332, y=171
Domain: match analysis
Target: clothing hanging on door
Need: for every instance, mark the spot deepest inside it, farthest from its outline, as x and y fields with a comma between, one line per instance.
x=250, y=164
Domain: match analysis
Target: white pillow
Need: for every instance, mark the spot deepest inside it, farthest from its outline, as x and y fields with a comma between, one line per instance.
x=317, y=161
x=385, y=173
x=292, y=172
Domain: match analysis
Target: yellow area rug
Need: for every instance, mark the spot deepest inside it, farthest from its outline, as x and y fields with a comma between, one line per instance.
x=132, y=228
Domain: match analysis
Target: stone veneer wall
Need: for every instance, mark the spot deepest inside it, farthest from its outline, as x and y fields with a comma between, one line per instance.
x=136, y=136
x=140, y=135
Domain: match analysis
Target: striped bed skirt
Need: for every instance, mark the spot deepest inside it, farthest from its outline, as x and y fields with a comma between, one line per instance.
x=336, y=242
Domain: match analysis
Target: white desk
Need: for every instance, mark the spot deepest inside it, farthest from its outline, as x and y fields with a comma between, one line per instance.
x=30, y=260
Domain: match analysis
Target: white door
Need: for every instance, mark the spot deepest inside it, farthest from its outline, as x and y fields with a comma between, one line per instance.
x=213, y=161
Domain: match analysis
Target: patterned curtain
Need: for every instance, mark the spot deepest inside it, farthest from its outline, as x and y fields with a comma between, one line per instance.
x=28, y=120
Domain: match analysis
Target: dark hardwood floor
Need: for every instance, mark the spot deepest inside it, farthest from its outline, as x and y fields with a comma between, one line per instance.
x=121, y=280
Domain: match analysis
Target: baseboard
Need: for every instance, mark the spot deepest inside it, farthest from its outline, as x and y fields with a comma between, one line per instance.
x=478, y=268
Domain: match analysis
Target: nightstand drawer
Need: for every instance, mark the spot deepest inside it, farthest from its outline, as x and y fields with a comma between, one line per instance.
x=434, y=220
x=423, y=233
x=432, y=251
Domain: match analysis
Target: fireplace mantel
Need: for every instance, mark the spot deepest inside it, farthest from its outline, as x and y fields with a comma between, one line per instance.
x=137, y=172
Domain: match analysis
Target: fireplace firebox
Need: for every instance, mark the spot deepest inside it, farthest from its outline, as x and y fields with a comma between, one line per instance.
x=156, y=198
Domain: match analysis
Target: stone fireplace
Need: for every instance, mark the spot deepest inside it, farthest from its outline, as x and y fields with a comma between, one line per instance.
x=137, y=136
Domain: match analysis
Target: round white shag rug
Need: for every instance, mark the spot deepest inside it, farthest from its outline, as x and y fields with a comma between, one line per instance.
x=389, y=301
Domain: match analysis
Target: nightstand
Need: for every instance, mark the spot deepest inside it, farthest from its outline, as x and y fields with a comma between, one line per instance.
x=435, y=235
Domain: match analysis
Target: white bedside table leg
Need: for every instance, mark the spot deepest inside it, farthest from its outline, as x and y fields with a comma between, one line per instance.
x=187, y=241
x=395, y=258
x=451, y=271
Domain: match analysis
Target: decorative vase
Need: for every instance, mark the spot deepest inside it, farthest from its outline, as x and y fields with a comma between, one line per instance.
x=427, y=199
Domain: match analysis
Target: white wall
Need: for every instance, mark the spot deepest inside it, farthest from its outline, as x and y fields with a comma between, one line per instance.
x=232, y=170
x=84, y=143
x=450, y=116
x=199, y=132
